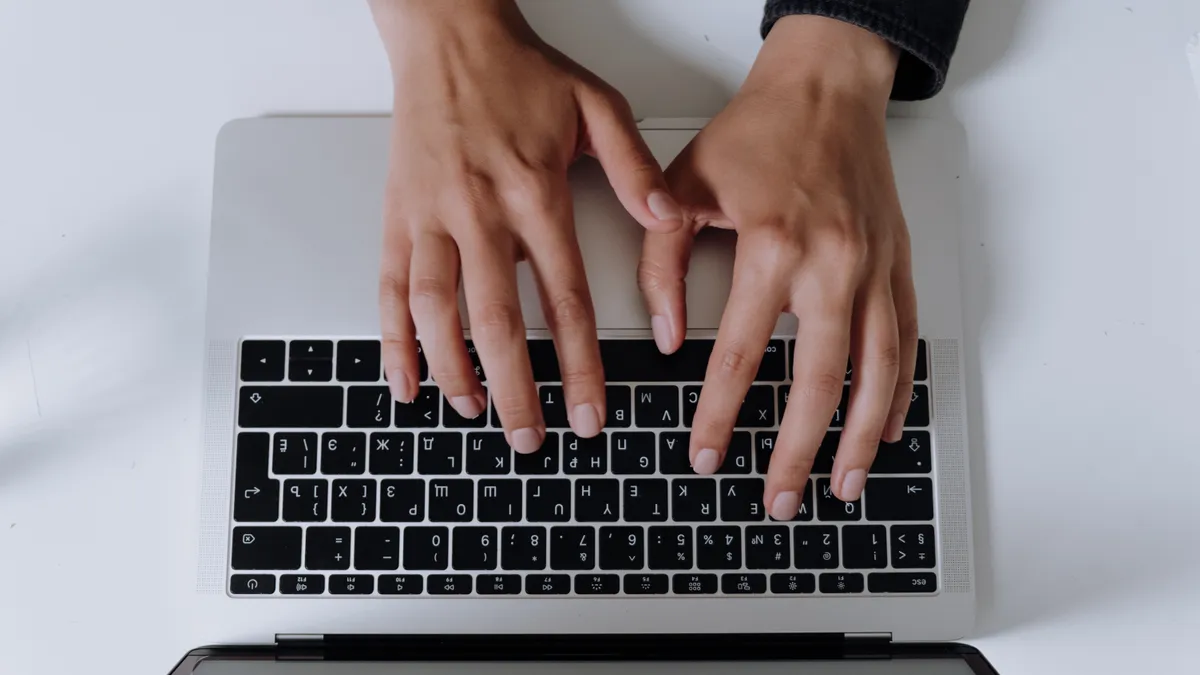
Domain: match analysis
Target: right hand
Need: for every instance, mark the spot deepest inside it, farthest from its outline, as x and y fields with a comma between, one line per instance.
x=487, y=120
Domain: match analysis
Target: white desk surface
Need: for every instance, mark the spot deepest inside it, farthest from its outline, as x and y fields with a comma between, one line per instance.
x=1082, y=264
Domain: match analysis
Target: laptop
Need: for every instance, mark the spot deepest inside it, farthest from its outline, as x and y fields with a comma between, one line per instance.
x=344, y=532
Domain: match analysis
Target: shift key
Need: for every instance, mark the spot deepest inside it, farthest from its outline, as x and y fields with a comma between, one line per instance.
x=314, y=407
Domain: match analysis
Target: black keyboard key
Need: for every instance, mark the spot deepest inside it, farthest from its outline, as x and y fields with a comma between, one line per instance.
x=473, y=354
x=737, y=455
x=353, y=501
x=841, y=583
x=647, y=584
x=657, y=406
x=450, y=584
x=911, y=454
x=764, y=445
x=302, y=584
x=500, y=501
x=816, y=547
x=691, y=401
x=265, y=406
x=742, y=500
x=554, y=407
x=694, y=584
x=864, y=546
x=488, y=454
x=597, y=584
x=719, y=547
x=597, y=500
x=542, y=462
x=426, y=548
x=311, y=349
x=422, y=412
x=358, y=360
x=327, y=548
x=544, y=359
x=918, y=408
x=922, y=370
x=262, y=360
x=773, y=367
x=440, y=453
x=377, y=548
x=548, y=500
x=310, y=370
x=622, y=548
x=619, y=401
x=498, y=584
x=830, y=508
x=758, y=408
x=422, y=365
x=451, y=501
x=266, y=548
x=768, y=547
x=344, y=453
x=256, y=496
x=351, y=584
x=640, y=361
x=788, y=584
x=899, y=499
x=585, y=455
x=823, y=462
x=839, y=415
x=368, y=407
x=294, y=452
x=633, y=452
x=645, y=500
x=305, y=500
x=523, y=548
x=452, y=420
x=391, y=454
x=252, y=584
x=694, y=500
x=548, y=584
x=401, y=584
x=743, y=584
x=402, y=501
x=475, y=548
x=902, y=582
x=670, y=547
x=673, y=458
x=913, y=547
x=782, y=392
x=573, y=548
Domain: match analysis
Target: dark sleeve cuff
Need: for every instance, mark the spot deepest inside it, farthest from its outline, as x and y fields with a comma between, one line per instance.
x=925, y=30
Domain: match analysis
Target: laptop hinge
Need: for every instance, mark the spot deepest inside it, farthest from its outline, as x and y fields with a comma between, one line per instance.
x=300, y=646
x=869, y=637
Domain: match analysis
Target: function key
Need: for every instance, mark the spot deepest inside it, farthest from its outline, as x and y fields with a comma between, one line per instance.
x=351, y=584
x=302, y=584
x=841, y=583
x=263, y=360
x=597, y=584
x=743, y=584
x=252, y=584
x=787, y=584
x=401, y=584
x=449, y=584
x=358, y=361
x=498, y=584
x=548, y=584
x=647, y=584
x=902, y=582
x=694, y=584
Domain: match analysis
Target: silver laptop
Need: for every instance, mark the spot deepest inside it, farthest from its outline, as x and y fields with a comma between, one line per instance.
x=340, y=525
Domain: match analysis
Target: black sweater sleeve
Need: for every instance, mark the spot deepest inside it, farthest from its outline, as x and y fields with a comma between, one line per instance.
x=925, y=30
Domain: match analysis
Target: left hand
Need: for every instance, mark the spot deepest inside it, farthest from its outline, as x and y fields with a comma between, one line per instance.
x=798, y=165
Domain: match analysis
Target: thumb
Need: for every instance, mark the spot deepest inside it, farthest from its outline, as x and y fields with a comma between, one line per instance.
x=662, y=273
x=614, y=139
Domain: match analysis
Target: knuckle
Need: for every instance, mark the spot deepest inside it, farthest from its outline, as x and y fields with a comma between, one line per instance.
x=887, y=358
x=497, y=318
x=653, y=276
x=569, y=309
x=735, y=360
x=577, y=376
x=429, y=292
x=530, y=189
x=823, y=387
x=512, y=407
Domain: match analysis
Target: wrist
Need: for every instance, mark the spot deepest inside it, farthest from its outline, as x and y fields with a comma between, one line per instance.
x=805, y=53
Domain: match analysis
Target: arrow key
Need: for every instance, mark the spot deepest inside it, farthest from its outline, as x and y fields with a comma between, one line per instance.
x=358, y=360
x=262, y=361
x=310, y=370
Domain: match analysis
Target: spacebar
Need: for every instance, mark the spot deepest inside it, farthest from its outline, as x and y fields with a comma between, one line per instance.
x=640, y=361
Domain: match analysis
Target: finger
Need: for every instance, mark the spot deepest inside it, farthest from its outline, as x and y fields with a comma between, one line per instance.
x=636, y=177
x=750, y=315
x=498, y=331
x=567, y=305
x=822, y=346
x=905, y=296
x=434, y=302
x=875, y=350
x=399, y=335
x=662, y=274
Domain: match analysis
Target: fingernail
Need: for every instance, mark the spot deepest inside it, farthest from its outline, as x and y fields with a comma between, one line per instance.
x=585, y=420
x=526, y=441
x=663, y=206
x=785, y=506
x=852, y=484
x=467, y=406
x=400, y=387
x=707, y=462
x=662, y=333
x=895, y=428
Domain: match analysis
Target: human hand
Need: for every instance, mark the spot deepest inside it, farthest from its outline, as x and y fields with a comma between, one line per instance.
x=798, y=165
x=487, y=120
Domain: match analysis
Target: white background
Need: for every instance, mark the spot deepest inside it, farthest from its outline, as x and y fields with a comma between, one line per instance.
x=1081, y=259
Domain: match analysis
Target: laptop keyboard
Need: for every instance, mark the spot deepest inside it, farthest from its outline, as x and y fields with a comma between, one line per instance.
x=338, y=491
